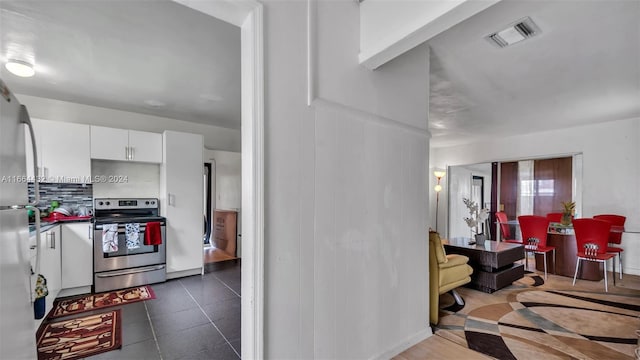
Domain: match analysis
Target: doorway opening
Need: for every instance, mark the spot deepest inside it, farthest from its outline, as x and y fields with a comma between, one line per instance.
x=222, y=189
x=208, y=178
x=249, y=17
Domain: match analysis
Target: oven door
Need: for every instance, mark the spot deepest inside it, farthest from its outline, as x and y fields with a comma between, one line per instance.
x=124, y=257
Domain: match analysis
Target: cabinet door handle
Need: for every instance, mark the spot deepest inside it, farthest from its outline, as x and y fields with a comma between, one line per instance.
x=126, y=153
x=53, y=240
x=171, y=199
x=133, y=153
x=89, y=232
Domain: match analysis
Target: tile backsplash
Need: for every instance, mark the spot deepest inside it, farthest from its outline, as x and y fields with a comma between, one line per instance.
x=123, y=179
x=72, y=195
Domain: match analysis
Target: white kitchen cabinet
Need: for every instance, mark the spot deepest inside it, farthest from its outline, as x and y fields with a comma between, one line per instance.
x=182, y=197
x=125, y=145
x=77, y=255
x=109, y=143
x=63, y=150
x=50, y=265
x=145, y=146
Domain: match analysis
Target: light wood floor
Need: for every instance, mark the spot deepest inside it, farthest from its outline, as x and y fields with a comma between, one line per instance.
x=212, y=255
x=437, y=347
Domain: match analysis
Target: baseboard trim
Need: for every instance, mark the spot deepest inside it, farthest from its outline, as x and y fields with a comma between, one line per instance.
x=409, y=342
x=75, y=291
x=183, y=273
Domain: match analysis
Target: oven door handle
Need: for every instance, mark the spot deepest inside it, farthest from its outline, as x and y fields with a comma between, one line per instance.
x=122, y=229
x=131, y=271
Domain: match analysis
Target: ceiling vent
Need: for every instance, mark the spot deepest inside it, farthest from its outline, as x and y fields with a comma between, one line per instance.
x=514, y=33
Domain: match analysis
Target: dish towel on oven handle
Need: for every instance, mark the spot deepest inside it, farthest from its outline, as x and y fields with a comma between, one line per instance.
x=132, y=233
x=152, y=234
x=109, y=238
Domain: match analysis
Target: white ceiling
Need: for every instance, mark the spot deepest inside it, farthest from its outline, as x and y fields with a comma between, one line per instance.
x=583, y=68
x=121, y=54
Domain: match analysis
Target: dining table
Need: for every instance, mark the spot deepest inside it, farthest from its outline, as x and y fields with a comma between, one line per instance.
x=562, y=237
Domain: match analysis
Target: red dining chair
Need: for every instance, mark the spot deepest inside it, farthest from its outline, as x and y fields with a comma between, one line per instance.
x=615, y=237
x=554, y=217
x=504, y=228
x=592, y=236
x=534, y=237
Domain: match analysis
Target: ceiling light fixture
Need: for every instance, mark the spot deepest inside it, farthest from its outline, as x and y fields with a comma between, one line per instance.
x=20, y=68
x=514, y=33
x=155, y=103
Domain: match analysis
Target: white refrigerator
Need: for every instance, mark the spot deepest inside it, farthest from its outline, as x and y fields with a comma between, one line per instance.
x=17, y=330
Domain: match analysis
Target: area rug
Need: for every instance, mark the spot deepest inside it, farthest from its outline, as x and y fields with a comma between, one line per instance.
x=77, y=305
x=80, y=337
x=532, y=319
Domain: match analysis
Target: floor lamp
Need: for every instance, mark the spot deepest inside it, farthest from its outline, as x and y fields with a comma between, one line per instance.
x=438, y=174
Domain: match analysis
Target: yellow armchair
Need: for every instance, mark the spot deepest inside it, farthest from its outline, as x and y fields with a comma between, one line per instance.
x=446, y=272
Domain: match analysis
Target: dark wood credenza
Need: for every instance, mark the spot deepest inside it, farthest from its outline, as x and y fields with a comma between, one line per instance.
x=493, y=263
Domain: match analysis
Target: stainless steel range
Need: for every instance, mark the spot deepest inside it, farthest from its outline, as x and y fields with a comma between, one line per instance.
x=122, y=255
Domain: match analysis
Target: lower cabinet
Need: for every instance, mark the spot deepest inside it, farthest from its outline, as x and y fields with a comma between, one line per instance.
x=66, y=261
x=50, y=265
x=77, y=255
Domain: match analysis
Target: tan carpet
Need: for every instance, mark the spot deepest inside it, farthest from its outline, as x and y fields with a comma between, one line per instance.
x=553, y=320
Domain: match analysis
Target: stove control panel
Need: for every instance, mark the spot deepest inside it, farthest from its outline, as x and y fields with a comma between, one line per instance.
x=129, y=203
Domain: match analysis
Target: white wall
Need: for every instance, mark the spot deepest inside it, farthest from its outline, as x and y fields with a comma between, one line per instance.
x=142, y=180
x=215, y=137
x=458, y=179
x=227, y=178
x=389, y=28
x=459, y=186
x=611, y=167
x=346, y=260
x=382, y=21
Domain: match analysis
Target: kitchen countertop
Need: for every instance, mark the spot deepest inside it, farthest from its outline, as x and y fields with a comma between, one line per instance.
x=48, y=225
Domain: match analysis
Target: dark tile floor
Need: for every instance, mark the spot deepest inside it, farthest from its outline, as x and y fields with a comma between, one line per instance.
x=196, y=317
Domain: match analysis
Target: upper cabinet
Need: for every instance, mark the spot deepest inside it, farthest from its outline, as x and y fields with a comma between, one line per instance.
x=145, y=146
x=63, y=150
x=109, y=143
x=125, y=145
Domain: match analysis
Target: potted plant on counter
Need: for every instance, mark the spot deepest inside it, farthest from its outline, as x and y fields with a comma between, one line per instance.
x=476, y=217
x=567, y=212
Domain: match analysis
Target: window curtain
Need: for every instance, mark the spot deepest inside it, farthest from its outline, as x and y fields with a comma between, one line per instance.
x=526, y=188
x=525, y=199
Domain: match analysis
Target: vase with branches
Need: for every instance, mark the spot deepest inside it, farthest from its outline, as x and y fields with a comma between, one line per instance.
x=477, y=216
